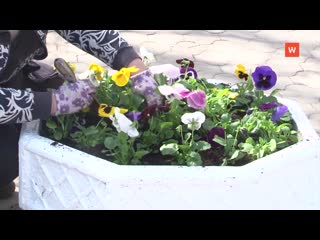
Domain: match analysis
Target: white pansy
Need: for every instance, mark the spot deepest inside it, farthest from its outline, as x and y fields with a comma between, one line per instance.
x=196, y=119
x=177, y=90
x=123, y=124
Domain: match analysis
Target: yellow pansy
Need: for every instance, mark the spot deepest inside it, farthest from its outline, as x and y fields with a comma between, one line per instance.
x=106, y=111
x=233, y=95
x=97, y=69
x=241, y=72
x=121, y=78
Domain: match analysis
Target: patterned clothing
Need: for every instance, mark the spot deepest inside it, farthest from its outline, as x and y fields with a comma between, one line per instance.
x=19, y=105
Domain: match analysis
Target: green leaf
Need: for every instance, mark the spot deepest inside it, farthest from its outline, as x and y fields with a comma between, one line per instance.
x=51, y=124
x=166, y=125
x=235, y=154
x=225, y=117
x=242, y=100
x=261, y=153
x=286, y=118
x=223, y=92
x=275, y=92
x=268, y=99
x=250, y=140
x=285, y=130
x=140, y=154
x=219, y=140
x=294, y=139
x=235, y=124
x=273, y=145
x=208, y=124
x=91, y=131
x=58, y=134
x=122, y=137
x=169, y=149
x=282, y=144
x=202, y=146
x=246, y=147
x=170, y=141
x=110, y=143
x=193, y=159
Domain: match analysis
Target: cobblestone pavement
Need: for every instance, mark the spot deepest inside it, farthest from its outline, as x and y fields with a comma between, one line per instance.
x=216, y=54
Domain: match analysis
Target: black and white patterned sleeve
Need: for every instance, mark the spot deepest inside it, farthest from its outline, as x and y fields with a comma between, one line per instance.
x=18, y=106
x=4, y=54
x=107, y=45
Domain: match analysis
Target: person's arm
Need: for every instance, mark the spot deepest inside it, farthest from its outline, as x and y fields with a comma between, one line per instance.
x=18, y=106
x=107, y=45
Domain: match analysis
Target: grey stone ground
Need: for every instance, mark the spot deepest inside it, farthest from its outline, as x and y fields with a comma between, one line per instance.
x=216, y=54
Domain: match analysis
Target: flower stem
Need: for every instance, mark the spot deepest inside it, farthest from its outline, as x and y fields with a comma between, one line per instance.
x=99, y=122
x=192, y=134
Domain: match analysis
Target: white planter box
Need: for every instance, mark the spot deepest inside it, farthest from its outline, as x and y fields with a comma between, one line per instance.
x=60, y=177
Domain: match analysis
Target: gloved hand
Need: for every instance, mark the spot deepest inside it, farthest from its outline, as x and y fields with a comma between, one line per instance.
x=144, y=84
x=71, y=97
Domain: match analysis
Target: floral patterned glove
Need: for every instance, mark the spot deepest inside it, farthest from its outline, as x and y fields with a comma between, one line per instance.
x=144, y=84
x=71, y=97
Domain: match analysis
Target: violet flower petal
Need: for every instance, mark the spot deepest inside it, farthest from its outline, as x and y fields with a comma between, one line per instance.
x=279, y=112
x=264, y=78
x=197, y=99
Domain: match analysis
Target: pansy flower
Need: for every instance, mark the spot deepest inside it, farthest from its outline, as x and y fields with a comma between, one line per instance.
x=264, y=78
x=186, y=73
x=97, y=70
x=184, y=62
x=134, y=116
x=217, y=131
x=121, y=78
x=279, y=112
x=241, y=72
x=196, y=99
x=267, y=106
x=123, y=124
x=107, y=111
x=194, y=120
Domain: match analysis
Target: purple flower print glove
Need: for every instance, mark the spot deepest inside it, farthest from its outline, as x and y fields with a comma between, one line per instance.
x=144, y=84
x=72, y=97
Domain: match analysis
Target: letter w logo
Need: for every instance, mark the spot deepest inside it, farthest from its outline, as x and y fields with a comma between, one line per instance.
x=292, y=49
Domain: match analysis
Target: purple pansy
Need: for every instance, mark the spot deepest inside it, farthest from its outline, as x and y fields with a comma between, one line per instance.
x=189, y=72
x=249, y=111
x=183, y=62
x=197, y=99
x=279, y=112
x=267, y=106
x=264, y=78
x=217, y=131
x=134, y=116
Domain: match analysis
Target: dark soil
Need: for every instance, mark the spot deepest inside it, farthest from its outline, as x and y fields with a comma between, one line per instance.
x=212, y=157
